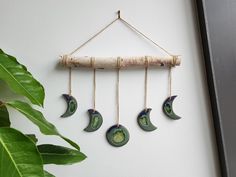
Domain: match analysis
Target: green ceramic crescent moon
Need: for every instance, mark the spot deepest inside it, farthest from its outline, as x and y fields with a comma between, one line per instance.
x=117, y=135
x=144, y=120
x=168, y=109
x=95, y=121
x=71, y=105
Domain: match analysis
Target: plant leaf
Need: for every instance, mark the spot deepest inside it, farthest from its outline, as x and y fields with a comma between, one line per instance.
x=59, y=155
x=72, y=143
x=19, y=156
x=34, y=116
x=32, y=137
x=20, y=80
x=38, y=119
x=47, y=174
x=4, y=116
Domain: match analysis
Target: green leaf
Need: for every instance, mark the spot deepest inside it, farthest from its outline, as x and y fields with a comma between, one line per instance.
x=19, y=157
x=34, y=116
x=4, y=116
x=59, y=155
x=38, y=119
x=20, y=80
x=72, y=143
x=32, y=137
x=46, y=174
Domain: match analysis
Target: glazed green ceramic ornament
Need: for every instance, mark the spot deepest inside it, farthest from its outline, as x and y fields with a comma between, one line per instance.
x=95, y=121
x=70, y=101
x=144, y=120
x=117, y=135
x=168, y=108
x=71, y=105
x=95, y=118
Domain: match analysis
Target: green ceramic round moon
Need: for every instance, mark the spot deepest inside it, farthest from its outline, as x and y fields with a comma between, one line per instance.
x=168, y=108
x=117, y=135
x=95, y=121
x=71, y=105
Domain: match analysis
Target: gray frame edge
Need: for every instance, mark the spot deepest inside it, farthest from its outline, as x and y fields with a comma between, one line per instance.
x=206, y=46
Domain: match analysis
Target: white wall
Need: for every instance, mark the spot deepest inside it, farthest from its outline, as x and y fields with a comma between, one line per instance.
x=37, y=32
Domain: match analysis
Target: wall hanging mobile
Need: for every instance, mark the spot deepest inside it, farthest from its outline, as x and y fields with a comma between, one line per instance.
x=118, y=135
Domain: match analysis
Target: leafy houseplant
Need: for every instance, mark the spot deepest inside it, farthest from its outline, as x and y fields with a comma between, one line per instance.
x=20, y=156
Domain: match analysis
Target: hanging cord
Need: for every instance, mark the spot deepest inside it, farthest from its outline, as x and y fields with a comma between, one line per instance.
x=170, y=74
x=170, y=81
x=146, y=82
x=94, y=36
x=118, y=92
x=146, y=37
x=70, y=88
x=94, y=85
x=129, y=25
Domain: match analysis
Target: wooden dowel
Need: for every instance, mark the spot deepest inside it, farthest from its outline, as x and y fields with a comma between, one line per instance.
x=125, y=62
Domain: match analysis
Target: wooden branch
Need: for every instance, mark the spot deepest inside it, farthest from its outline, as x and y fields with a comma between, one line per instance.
x=121, y=62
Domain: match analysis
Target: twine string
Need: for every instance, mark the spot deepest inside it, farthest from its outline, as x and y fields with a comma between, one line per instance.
x=146, y=82
x=94, y=36
x=118, y=92
x=145, y=36
x=130, y=26
x=173, y=64
x=94, y=83
x=170, y=81
x=70, y=87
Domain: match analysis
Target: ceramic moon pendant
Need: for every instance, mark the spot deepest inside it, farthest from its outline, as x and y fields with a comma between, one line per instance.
x=71, y=105
x=144, y=120
x=168, y=109
x=95, y=121
x=117, y=135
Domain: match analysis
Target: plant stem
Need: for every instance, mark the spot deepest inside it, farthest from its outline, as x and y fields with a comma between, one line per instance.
x=2, y=104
